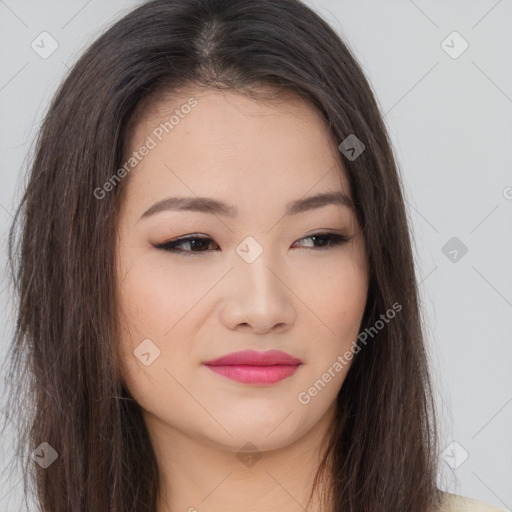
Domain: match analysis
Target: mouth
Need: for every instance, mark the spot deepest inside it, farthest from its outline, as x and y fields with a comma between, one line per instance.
x=252, y=367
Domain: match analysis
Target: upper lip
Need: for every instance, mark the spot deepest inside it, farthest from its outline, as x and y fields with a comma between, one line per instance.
x=253, y=357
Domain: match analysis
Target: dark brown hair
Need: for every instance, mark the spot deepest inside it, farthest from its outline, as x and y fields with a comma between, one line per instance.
x=382, y=455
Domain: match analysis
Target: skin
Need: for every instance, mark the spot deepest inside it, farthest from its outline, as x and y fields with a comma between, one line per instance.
x=298, y=296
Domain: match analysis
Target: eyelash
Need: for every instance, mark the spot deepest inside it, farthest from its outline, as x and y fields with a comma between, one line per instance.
x=333, y=239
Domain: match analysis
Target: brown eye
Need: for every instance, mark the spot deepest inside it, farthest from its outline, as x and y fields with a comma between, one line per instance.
x=327, y=240
x=197, y=244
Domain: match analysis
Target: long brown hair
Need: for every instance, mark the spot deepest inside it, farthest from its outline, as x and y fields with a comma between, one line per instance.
x=382, y=454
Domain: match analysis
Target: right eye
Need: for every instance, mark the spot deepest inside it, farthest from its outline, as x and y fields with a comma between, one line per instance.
x=193, y=241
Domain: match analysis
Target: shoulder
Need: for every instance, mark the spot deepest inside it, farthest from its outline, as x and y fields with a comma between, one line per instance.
x=456, y=503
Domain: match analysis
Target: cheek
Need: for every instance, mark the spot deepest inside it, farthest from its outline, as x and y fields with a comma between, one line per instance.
x=344, y=300
x=155, y=295
x=148, y=309
x=146, y=302
x=152, y=302
x=335, y=292
x=162, y=302
x=335, y=297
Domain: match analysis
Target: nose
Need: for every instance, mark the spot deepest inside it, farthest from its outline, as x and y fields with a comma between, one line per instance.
x=258, y=297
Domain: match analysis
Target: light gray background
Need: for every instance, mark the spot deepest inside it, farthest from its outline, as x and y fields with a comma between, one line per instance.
x=451, y=125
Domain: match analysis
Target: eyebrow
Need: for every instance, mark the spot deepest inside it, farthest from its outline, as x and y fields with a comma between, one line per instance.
x=215, y=207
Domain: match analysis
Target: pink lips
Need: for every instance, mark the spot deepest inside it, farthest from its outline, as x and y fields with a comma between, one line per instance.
x=252, y=367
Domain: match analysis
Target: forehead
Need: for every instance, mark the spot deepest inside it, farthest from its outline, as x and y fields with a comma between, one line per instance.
x=233, y=144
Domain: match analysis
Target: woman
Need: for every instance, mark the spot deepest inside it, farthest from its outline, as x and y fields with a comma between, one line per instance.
x=218, y=306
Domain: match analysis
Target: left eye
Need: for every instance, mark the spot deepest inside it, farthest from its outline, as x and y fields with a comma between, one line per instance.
x=326, y=240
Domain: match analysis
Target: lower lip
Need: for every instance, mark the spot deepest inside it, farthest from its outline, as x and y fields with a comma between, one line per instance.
x=251, y=374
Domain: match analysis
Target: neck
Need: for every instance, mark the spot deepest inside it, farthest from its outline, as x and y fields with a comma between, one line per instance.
x=198, y=475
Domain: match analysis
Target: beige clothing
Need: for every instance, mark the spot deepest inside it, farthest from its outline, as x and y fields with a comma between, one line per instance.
x=456, y=503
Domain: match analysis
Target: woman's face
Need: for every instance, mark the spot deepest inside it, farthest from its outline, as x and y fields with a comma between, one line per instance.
x=254, y=277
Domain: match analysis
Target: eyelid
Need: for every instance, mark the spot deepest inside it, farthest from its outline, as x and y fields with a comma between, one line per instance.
x=337, y=235
x=321, y=231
